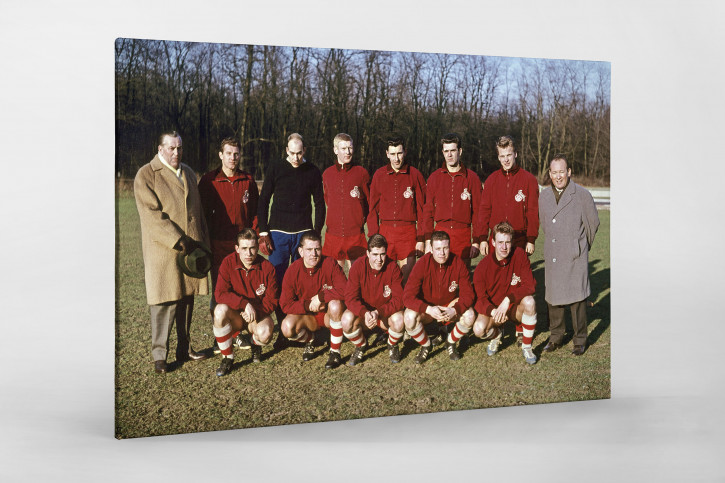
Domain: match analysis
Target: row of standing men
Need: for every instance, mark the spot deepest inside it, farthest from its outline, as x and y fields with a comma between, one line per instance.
x=397, y=203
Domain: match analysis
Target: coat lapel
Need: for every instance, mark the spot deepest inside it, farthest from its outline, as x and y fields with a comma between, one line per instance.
x=565, y=199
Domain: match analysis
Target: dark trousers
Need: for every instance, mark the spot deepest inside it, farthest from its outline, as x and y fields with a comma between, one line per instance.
x=163, y=317
x=578, y=322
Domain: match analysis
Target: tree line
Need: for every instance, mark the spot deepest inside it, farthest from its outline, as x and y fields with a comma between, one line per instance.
x=260, y=94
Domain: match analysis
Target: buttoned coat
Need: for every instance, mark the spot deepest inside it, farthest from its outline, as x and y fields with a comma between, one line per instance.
x=167, y=211
x=569, y=228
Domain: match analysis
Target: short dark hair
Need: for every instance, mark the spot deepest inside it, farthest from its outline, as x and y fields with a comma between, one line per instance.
x=439, y=235
x=504, y=228
x=247, y=234
x=377, y=241
x=504, y=142
x=559, y=157
x=171, y=134
x=229, y=141
x=451, y=138
x=395, y=140
x=311, y=235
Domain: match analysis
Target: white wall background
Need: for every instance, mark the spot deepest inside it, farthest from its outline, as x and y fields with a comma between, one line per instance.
x=665, y=420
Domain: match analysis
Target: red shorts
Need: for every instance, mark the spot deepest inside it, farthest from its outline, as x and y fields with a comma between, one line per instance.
x=401, y=240
x=320, y=319
x=344, y=247
x=460, y=240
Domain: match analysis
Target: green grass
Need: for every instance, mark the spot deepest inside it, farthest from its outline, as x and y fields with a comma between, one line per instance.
x=284, y=390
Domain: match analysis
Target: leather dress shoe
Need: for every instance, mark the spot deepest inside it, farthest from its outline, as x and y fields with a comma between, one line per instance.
x=551, y=346
x=160, y=367
x=578, y=350
x=191, y=356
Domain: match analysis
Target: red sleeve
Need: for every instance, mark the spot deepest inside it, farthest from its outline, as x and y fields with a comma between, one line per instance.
x=333, y=272
x=532, y=211
x=224, y=291
x=395, y=304
x=253, y=204
x=373, y=216
x=429, y=208
x=366, y=192
x=466, y=295
x=479, y=230
x=353, y=296
x=270, y=301
x=289, y=301
x=522, y=268
x=420, y=187
x=483, y=302
x=484, y=210
x=411, y=293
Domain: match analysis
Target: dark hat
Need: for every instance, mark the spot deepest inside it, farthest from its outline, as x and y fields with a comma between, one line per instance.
x=197, y=261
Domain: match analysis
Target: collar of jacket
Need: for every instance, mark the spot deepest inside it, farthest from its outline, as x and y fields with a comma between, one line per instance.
x=403, y=168
x=256, y=264
x=238, y=174
x=460, y=172
x=505, y=261
x=343, y=167
x=514, y=169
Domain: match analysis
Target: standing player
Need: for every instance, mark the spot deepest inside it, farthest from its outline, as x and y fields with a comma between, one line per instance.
x=453, y=196
x=397, y=198
x=438, y=290
x=313, y=294
x=247, y=293
x=229, y=199
x=293, y=183
x=374, y=298
x=347, y=190
x=510, y=194
x=505, y=290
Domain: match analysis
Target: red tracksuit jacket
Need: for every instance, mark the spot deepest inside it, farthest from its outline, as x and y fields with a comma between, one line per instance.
x=347, y=190
x=431, y=283
x=230, y=204
x=237, y=286
x=512, y=197
x=300, y=284
x=494, y=280
x=369, y=289
x=397, y=197
x=452, y=200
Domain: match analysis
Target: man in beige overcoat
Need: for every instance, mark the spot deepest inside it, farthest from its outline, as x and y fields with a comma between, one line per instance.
x=569, y=221
x=170, y=210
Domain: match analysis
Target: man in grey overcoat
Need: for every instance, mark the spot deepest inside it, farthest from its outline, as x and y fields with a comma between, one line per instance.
x=169, y=208
x=569, y=221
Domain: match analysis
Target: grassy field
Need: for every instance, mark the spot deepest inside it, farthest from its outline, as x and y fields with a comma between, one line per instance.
x=284, y=390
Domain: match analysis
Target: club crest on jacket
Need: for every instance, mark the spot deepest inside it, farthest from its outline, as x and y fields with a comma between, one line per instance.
x=261, y=289
x=245, y=198
x=387, y=291
x=466, y=195
x=453, y=286
x=520, y=196
x=355, y=192
x=408, y=193
x=515, y=279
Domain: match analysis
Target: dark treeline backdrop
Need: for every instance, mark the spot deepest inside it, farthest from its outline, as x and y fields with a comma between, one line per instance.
x=260, y=94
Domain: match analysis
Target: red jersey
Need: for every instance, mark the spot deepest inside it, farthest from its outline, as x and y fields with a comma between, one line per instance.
x=369, y=289
x=347, y=190
x=397, y=198
x=229, y=203
x=511, y=196
x=431, y=283
x=494, y=280
x=300, y=284
x=452, y=201
x=236, y=286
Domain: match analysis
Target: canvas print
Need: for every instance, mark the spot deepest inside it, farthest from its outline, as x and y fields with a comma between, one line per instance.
x=318, y=234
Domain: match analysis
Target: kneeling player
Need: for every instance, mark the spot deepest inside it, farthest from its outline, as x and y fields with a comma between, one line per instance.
x=438, y=290
x=504, y=288
x=313, y=294
x=374, y=296
x=246, y=293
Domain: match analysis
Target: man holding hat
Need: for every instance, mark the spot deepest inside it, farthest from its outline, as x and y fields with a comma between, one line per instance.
x=174, y=241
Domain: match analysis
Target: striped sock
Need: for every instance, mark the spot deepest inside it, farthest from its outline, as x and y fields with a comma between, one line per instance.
x=394, y=337
x=420, y=336
x=335, y=335
x=224, y=338
x=459, y=330
x=529, y=325
x=355, y=337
